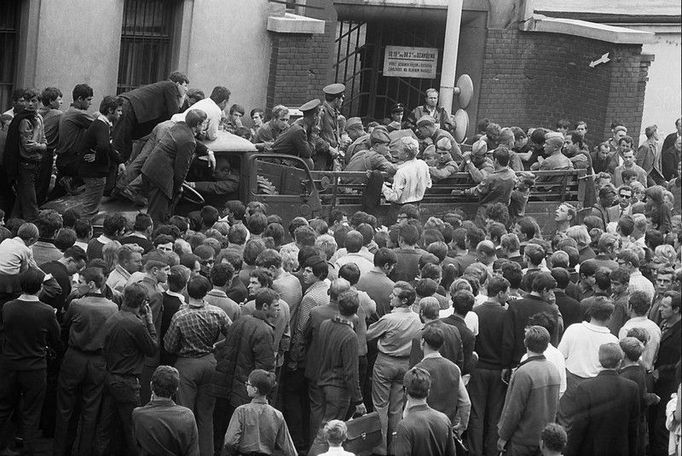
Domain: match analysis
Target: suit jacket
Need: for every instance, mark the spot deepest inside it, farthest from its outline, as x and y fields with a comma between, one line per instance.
x=169, y=162
x=515, y=322
x=468, y=341
x=154, y=102
x=669, y=352
x=604, y=417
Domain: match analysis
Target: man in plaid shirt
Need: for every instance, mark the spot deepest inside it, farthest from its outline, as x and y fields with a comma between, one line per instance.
x=191, y=335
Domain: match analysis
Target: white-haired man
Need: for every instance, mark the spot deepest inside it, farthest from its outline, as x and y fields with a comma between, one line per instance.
x=412, y=178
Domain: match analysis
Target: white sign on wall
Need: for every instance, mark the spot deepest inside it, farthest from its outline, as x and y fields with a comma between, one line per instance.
x=410, y=62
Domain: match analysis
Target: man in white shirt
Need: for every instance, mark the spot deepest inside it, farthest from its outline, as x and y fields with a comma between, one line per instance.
x=412, y=178
x=580, y=347
x=353, y=245
x=639, y=305
x=213, y=107
x=629, y=260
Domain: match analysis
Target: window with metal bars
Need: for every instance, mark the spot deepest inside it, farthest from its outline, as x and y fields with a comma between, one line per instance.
x=146, y=42
x=9, y=43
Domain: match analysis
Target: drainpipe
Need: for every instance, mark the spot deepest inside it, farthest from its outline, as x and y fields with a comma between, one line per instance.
x=450, y=48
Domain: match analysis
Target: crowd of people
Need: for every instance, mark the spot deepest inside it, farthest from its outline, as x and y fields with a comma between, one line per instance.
x=229, y=331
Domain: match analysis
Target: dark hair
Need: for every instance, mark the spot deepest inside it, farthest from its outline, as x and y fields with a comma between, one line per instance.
x=501, y=155
x=178, y=78
x=263, y=381
x=535, y=253
x=110, y=103
x=93, y=275
x=49, y=95
x=512, y=271
x=265, y=296
x=31, y=280
x=318, y=265
x=562, y=277
x=350, y=272
x=463, y=302
x=81, y=91
x=385, y=256
x=76, y=253
x=433, y=336
x=497, y=284
x=198, y=286
x=543, y=319
x=417, y=382
x=554, y=437
x=275, y=231
x=165, y=381
x=134, y=295
x=222, y=274
x=348, y=303
x=601, y=278
x=65, y=238
x=48, y=223
x=528, y=226
x=536, y=339
x=220, y=94
x=177, y=278
x=263, y=276
x=113, y=224
x=237, y=108
x=543, y=281
x=407, y=292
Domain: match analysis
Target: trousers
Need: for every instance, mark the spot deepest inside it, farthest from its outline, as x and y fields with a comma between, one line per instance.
x=388, y=396
x=81, y=383
x=115, y=429
x=486, y=391
x=26, y=204
x=195, y=377
x=30, y=386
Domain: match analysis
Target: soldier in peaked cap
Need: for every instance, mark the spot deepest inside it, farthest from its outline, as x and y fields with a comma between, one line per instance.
x=329, y=125
x=298, y=139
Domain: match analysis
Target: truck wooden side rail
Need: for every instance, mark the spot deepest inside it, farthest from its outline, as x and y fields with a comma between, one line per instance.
x=551, y=188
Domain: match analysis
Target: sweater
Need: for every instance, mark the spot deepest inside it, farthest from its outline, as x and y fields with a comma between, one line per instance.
x=28, y=327
x=531, y=401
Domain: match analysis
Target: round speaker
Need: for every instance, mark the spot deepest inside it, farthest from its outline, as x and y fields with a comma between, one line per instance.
x=466, y=90
x=461, y=125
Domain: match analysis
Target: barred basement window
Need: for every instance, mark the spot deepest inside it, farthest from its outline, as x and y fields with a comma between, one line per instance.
x=146, y=42
x=9, y=43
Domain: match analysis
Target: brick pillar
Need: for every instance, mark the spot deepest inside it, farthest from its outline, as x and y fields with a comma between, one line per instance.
x=300, y=66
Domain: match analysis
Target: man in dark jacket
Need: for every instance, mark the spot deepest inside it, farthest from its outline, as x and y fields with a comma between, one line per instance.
x=147, y=106
x=249, y=345
x=97, y=156
x=298, y=139
x=517, y=317
x=167, y=166
x=605, y=412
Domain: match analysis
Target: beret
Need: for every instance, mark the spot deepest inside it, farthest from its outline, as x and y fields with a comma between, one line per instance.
x=379, y=135
x=426, y=120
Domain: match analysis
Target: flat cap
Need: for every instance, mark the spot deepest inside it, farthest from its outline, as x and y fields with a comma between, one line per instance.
x=426, y=120
x=353, y=122
x=480, y=147
x=334, y=89
x=379, y=135
x=311, y=105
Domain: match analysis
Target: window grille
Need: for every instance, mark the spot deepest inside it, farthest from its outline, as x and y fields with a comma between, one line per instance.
x=9, y=23
x=146, y=42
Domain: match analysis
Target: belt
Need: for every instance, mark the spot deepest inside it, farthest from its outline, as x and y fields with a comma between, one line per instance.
x=394, y=356
x=87, y=352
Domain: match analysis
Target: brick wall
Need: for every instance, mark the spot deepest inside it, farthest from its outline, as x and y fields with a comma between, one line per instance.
x=534, y=79
x=300, y=67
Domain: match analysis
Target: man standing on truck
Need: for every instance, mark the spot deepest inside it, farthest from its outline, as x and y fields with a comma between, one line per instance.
x=168, y=164
x=298, y=139
x=330, y=132
x=495, y=187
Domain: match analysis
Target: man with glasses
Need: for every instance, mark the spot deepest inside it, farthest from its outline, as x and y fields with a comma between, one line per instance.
x=624, y=200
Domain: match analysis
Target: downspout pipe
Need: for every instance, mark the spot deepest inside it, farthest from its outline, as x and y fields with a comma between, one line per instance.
x=450, y=49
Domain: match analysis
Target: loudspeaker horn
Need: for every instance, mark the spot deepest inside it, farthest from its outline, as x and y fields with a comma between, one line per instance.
x=464, y=90
x=461, y=119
